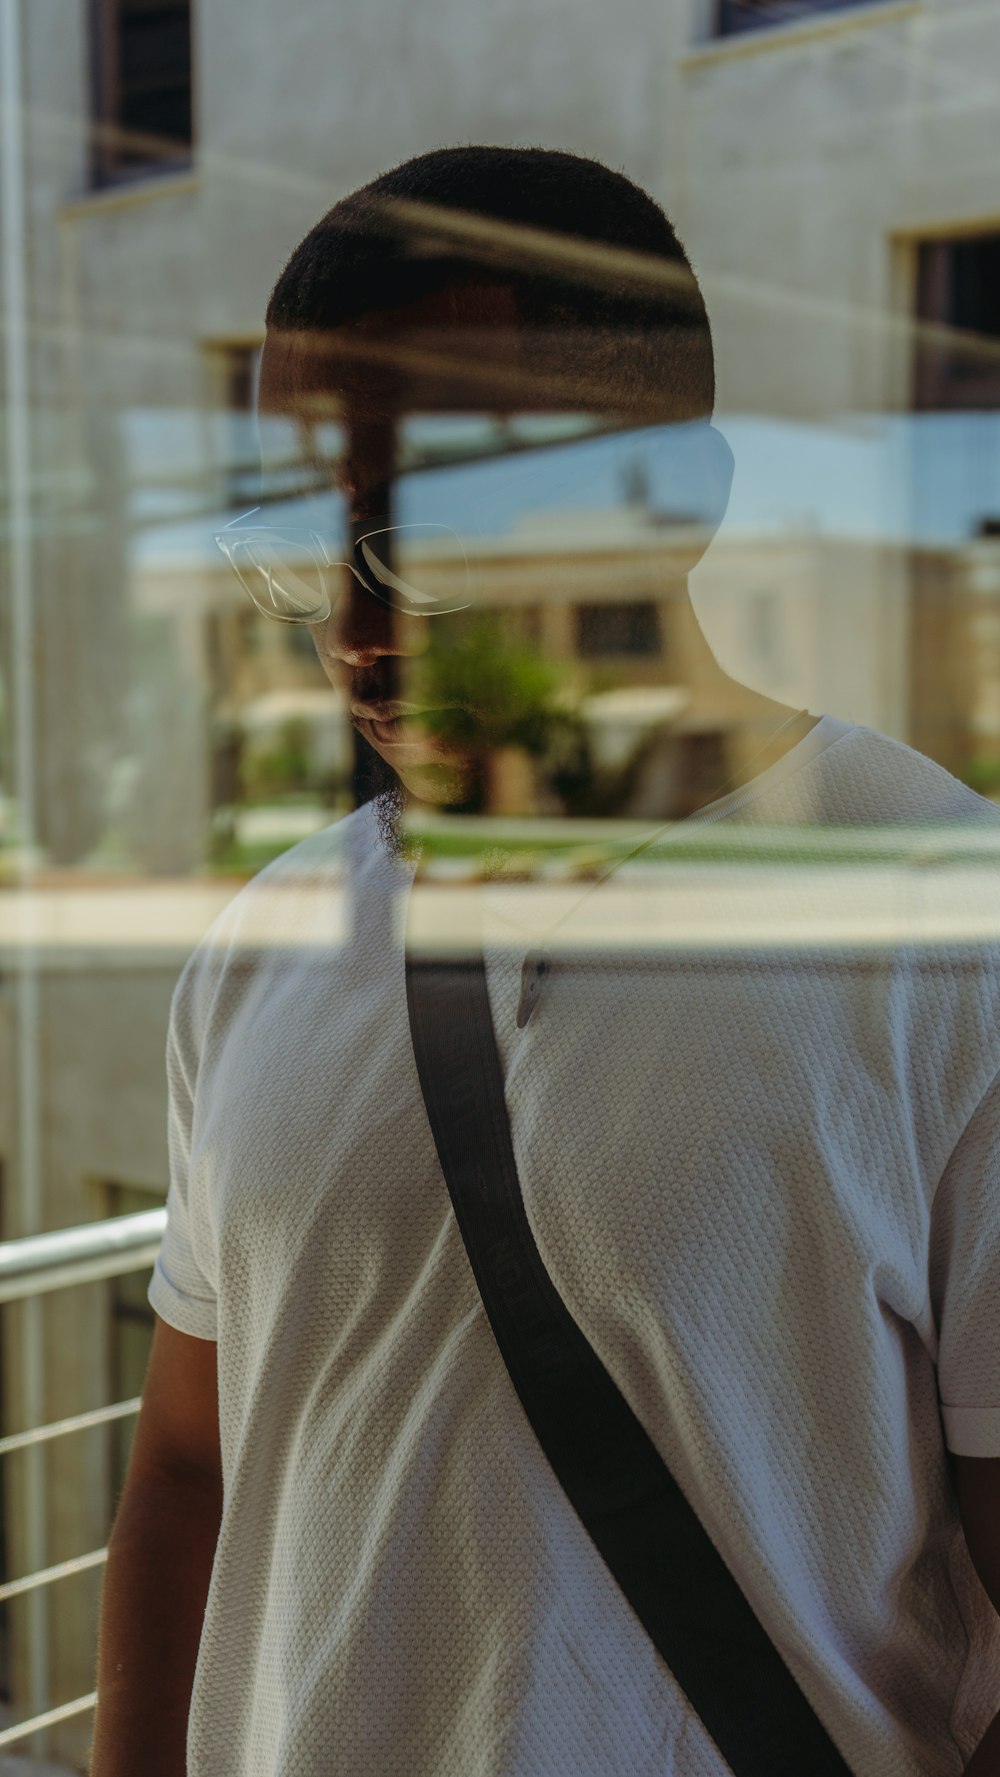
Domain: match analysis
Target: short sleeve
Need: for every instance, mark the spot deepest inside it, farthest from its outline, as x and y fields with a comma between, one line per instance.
x=965, y=1285
x=181, y=1288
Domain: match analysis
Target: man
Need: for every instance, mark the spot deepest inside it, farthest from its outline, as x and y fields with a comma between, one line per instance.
x=761, y=1165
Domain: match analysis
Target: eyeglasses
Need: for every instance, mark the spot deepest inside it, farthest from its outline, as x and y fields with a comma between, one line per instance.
x=295, y=575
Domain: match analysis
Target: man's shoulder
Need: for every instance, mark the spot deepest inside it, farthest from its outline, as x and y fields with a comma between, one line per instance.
x=885, y=780
x=290, y=905
x=319, y=860
x=349, y=841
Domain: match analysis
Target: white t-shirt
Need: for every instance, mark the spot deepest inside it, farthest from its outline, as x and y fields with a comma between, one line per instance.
x=756, y=1114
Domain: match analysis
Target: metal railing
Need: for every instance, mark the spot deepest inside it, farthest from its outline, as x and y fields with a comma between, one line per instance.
x=31, y=1267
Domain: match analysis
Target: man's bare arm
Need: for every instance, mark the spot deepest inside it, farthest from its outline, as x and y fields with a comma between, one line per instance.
x=159, y=1566
x=977, y=1482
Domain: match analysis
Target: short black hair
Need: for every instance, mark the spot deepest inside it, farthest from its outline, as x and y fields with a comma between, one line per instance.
x=631, y=322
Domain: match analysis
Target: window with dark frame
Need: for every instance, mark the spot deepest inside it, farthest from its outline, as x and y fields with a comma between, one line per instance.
x=958, y=292
x=617, y=629
x=734, y=16
x=142, y=88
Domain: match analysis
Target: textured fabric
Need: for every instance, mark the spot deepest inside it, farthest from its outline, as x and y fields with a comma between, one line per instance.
x=759, y=1144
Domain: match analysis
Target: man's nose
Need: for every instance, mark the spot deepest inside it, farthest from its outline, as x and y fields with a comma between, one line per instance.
x=362, y=629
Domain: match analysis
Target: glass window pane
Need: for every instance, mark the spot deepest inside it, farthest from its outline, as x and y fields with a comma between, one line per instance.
x=571, y=571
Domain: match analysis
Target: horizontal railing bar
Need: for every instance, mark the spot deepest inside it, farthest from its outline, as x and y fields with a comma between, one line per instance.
x=46, y=1576
x=20, y=1440
x=39, y=1262
x=22, y=1729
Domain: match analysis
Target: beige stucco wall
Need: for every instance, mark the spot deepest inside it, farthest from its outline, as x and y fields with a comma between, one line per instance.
x=806, y=157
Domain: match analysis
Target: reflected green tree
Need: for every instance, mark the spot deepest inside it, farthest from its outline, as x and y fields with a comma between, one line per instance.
x=281, y=769
x=486, y=690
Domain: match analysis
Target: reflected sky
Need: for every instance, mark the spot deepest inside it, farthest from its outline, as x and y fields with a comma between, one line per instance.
x=928, y=479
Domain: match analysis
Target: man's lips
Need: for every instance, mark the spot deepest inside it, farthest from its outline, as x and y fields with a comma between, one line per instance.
x=385, y=719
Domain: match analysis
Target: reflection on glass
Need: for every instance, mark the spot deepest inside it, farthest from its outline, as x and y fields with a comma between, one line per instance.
x=487, y=636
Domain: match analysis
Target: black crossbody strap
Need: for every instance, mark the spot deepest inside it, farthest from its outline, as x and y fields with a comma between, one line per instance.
x=665, y=1563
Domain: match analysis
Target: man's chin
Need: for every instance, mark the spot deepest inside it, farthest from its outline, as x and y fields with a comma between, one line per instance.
x=445, y=783
x=444, y=780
